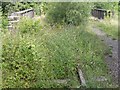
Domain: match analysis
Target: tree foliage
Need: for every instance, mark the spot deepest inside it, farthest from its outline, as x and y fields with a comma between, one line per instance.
x=69, y=13
x=9, y=7
x=6, y=7
x=106, y=5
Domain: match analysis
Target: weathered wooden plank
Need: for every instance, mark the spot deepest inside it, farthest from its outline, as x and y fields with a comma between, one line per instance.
x=12, y=18
x=28, y=13
x=24, y=11
x=13, y=22
x=81, y=77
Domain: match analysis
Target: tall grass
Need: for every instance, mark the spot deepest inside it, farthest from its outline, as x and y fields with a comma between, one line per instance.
x=75, y=45
x=110, y=27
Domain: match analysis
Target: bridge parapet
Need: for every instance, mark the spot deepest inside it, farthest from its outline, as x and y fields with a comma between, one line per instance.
x=15, y=17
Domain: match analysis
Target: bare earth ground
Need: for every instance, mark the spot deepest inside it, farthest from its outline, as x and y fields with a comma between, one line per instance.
x=111, y=60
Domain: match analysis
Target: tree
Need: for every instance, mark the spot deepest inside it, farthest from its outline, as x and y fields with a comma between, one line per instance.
x=69, y=12
x=106, y=5
x=6, y=7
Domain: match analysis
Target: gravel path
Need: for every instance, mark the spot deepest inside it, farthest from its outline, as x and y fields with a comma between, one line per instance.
x=111, y=60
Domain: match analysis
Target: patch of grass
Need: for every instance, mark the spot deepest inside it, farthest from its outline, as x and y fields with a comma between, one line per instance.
x=75, y=45
x=110, y=27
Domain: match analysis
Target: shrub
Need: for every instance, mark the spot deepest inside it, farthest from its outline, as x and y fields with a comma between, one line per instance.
x=70, y=13
x=19, y=65
x=77, y=13
x=26, y=25
x=25, y=61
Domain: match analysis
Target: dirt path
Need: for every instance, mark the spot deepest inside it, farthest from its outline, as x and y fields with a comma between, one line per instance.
x=111, y=60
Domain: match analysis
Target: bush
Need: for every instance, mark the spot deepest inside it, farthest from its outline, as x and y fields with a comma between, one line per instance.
x=19, y=65
x=23, y=61
x=69, y=13
x=77, y=13
x=27, y=25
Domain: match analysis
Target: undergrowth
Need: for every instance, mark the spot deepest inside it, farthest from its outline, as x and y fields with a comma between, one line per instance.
x=36, y=59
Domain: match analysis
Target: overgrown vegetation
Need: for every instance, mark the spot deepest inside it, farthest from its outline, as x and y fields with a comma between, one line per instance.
x=27, y=25
x=37, y=59
x=40, y=55
x=69, y=13
x=109, y=26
